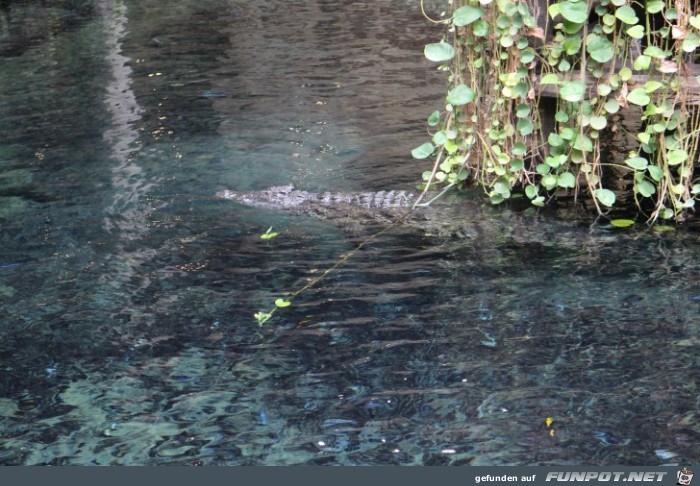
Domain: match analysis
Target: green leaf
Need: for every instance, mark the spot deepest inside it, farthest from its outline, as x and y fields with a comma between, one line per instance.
x=645, y=188
x=440, y=138
x=636, y=32
x=460, y=95
x=566, y=180
x=599, y=48
x=655, y=172
x=605, y=196
x=651, y=86
x=622, y=223
x=480, y=28
x=262, y=317
x=439, y=52
x=638, y=163
x=555, y=140
x=550, y=78
x=522, y=110
x=598, y=122
x=434, y=118
x=282, y=303
x=611, y=106
x=573, y=91
x=572, y=45
x=582, y=143
x=576, y=12
x=625, y=73
x=655, y=52
x=424, y=151
x=642, y=63
x=561, y=116
x=269, y=234
x=627, y=15
x=466, y=15
x=675, y=157
x=638, y=97
x=525, y=126
x=655, y=6
x=519, y=149
x=531, y=191
x=549, y=181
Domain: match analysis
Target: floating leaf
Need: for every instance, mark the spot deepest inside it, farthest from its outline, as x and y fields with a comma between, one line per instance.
x=576, y=12
x=622, y=223
x=282, y=303
x=573, y=91
x=439, y=52
x=262, y=317
x=424, y=151
x=269, y=234
x=466, y=15
x=460, y=95
x=638, y=96
x=605, y=196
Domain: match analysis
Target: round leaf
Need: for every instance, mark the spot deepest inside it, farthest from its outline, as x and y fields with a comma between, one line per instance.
x=611, y=106
x=598, y=122
x=466, y=15
x=676, y=157
x=605, y=196
x=645, y=188
x=460, y=95
x=638, y=96
x=627, y=15
x=636, y=32
x=638, y=163
x=573, y=91
x=576, y=12
x=566, y=180
x=282, y=303
x=424, y=151
x=439, y=52
x=599, y=48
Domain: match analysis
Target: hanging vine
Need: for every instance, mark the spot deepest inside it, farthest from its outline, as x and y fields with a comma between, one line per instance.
x=596, y=59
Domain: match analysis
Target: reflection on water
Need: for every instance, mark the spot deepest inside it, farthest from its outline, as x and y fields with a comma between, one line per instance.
x=128, y=290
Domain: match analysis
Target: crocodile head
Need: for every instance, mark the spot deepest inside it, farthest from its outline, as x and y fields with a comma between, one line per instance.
x=276, y=197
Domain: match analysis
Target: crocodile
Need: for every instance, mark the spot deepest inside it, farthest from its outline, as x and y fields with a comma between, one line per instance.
x=292, y=199
x=453, y=215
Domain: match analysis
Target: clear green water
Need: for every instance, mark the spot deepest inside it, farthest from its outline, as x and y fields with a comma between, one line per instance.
x=127, y=290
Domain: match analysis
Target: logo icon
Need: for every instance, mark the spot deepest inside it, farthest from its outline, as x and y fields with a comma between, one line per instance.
x=685, y=476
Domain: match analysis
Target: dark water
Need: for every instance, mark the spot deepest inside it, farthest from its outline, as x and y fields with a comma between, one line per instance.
x=128, y=291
